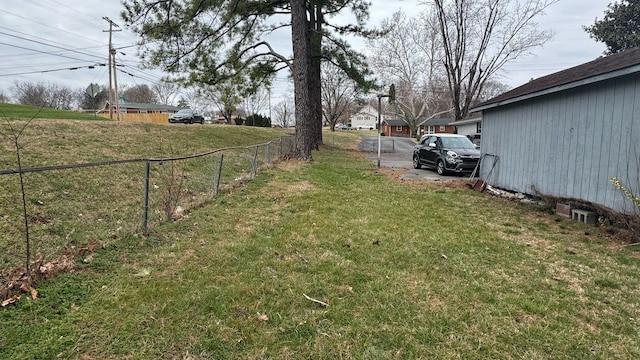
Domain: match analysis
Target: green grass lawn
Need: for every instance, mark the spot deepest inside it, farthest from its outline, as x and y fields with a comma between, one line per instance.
x=408, y=270
x=68, y=208
x=14, y=111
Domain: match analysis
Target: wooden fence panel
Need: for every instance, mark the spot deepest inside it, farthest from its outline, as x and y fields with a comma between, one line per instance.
x=146, y=118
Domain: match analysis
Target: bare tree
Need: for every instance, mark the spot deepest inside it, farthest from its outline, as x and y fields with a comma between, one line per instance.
x=284, y=114
x=257, y=102
x=409, y=56
x=195, y=99
x=338, y=92
x=140, y=93
x=50, y=95
x=3, y=98
x=491, y=89
x=166, y=92
x=480, y=36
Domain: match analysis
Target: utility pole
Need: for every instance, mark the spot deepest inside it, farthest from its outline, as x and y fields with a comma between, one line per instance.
x=269, y=90
x=111, y=53
x=392, y=99
x=115, y=84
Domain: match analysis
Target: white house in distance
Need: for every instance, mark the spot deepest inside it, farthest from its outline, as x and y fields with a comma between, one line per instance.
x=468, y=127
x=364, y=119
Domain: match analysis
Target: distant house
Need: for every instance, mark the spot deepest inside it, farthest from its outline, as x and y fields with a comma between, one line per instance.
x=566, y=134
x=396, y=128
x=140, y=108
x=435, y=126
x=468, y=127
x=139, y=112
x=365, y=118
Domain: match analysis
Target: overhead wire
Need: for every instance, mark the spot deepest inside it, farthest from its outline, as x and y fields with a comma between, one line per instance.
x=50, y=45
x=53, y=70
x=48, y=26
x=126, y=42
x=44, y=52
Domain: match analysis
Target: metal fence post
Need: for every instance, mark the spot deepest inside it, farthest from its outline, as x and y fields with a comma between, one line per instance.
x=254, y=166
x=145, y=218
x=218, y=175
x=268, y=153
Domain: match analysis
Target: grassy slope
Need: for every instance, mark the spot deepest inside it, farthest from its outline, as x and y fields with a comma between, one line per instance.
x=49, y=142
x=14, y=111
x=76, y=206
x=409, y=271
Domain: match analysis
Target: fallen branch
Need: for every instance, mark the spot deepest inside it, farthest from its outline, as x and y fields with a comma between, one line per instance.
x=322, y=303
x=302, y=257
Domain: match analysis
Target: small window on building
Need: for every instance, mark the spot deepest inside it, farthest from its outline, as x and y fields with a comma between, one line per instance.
x=443, y=128
x=399, y=128
x=479, y=127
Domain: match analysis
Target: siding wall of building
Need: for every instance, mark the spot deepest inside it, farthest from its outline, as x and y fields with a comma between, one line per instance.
x=568, y=144
x=364, y=121
x=467, y=129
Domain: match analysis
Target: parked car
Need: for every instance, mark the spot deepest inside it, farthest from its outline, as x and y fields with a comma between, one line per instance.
x=187, y=116
x=446, y=153
x=344, y=127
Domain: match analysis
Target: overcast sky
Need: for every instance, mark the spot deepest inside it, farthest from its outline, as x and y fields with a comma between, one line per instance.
x=40, y=40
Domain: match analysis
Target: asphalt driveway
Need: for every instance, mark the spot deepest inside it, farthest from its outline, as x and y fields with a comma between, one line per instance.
x=396, y=154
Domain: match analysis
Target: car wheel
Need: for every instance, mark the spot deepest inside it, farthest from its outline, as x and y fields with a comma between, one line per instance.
x=440, y=167
x=416, y=162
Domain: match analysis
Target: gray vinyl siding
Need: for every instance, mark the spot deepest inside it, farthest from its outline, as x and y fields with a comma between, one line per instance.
x=568, y=144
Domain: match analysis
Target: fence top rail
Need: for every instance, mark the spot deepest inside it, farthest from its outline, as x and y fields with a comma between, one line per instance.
x=124, y=161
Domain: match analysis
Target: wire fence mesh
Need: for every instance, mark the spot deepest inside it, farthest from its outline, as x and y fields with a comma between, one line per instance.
x=68, y=206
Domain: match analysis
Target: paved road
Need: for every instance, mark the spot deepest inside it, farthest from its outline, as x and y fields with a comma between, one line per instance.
x=396, y=153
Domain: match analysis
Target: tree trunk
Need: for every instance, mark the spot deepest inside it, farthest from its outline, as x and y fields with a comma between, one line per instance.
x=315, y=88
x=301, y=64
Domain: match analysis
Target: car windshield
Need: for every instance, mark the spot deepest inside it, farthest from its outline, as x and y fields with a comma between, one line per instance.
x=457, y=143
x=185, y=111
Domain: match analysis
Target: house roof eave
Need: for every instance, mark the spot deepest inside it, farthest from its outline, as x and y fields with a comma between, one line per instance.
x=466, y=122
x=586, y=81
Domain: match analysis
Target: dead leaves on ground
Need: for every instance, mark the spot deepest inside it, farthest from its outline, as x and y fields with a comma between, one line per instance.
x=15, y=280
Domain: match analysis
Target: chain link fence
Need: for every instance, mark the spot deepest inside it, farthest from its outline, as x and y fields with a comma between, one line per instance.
x=68, y=206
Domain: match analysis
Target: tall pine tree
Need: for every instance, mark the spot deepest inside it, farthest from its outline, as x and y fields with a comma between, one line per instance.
x=205, y=42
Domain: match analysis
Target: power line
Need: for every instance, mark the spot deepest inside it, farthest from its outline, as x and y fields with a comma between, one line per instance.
x=89, y=22
x=31, y=53
x=55, y=42
x=48, y=26
x=22, y=66
x=45, y=44
x=43, y=52
x=137, y=76
x=54, y=70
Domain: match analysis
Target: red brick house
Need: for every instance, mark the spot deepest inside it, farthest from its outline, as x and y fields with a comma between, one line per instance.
x=395, y=128
x=436, y=126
